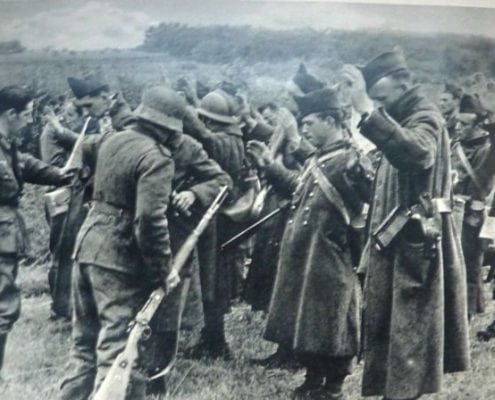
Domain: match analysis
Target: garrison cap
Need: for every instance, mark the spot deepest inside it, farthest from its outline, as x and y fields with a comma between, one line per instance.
x=383, y=65
x=162, y=106
x=88, y=86
x=305, y=81
x=317, y=101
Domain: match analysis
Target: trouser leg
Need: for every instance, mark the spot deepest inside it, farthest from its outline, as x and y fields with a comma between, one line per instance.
x=162, y=347
x=473, y=255
x=85, y=327
x=118, y=297
x=3, y=344
x=10, y=298
x=55, y=229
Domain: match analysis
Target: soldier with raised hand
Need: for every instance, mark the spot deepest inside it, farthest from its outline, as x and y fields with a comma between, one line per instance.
x=91, y=98
x=415, y=313
x=16, y=112
x=314, y=306
x=123, y=250
x=216, y=127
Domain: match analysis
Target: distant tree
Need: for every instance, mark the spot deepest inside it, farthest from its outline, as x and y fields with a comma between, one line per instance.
x=11, y=47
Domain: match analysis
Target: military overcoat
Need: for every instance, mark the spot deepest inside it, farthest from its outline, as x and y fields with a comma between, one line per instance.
x=415, y=313
x=314, y=306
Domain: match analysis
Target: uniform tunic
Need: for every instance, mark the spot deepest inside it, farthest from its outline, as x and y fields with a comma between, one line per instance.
x=15, y=169
x=226, y=147
x=123, y=251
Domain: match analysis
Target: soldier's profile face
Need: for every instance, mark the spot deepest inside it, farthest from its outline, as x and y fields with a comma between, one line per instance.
x=99, y=104
x=316, y=130
x=24, y=117
x=270, y=116
x=447, y=103
x=466, y=122
x=386, y=92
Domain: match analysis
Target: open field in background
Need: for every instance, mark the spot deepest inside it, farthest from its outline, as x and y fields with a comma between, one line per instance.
x=131, y=71
x=38, y=348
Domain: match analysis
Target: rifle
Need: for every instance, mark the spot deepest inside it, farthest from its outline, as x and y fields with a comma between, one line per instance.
x=68, y=200
x=251, y=229
x=115, y=384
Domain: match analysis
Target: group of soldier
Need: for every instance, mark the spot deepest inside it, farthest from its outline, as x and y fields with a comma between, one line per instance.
x=372, y=201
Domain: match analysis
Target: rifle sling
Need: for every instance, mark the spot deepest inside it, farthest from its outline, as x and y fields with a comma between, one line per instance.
x=468, y=168
x=331, y=193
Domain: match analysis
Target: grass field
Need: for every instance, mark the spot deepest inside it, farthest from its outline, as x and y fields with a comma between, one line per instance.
x=38, y=350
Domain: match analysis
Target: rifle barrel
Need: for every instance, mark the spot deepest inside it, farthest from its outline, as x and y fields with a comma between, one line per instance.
x=250, y=230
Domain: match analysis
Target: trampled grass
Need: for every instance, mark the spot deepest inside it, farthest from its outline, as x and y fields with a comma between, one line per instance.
x=38, y=350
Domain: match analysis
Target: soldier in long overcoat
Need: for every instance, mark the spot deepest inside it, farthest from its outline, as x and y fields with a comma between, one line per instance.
x=314, y=307
x=473, y=160
x=16, y=111
x=123, y=250
x=415, y=313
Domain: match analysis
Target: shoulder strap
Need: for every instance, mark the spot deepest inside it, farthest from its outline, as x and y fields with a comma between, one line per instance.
x=468, y=168
x=331, y=193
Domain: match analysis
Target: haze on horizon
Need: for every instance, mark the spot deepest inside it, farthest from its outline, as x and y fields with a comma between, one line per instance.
x=88, y=25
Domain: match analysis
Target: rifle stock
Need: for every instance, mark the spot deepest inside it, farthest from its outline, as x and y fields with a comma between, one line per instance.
x=115, y=384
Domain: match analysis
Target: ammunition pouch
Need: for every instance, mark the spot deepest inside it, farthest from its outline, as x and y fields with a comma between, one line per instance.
x=421, y=223
x=57, y=201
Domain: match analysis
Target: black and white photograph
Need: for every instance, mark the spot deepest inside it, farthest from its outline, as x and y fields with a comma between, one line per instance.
x=247, y=200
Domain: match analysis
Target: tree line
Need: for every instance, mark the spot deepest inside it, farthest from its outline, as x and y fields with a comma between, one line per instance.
x=440, y=54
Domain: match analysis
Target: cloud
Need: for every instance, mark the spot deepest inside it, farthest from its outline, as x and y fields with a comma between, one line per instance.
x=92, y=25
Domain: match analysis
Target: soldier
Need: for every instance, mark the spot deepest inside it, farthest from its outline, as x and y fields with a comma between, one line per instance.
x=473, y=162
x=218, y=131
x=123, y=250
x=282, y=141
x=314, y=306
x=196, y=182
x=281, y=135
x=449, y=105
x=415, y=313
x=56, y=142
x=16, y=109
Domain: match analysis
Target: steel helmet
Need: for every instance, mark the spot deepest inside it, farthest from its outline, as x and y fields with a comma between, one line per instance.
x=216, y=107
x=162, y=106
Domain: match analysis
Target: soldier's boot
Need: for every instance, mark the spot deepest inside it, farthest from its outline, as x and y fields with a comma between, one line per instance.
x=3, y=343
x=283, y=358
x=211, y=344
x=332, y=390
x=313, y=383
x=157, y=387
x=487, y=334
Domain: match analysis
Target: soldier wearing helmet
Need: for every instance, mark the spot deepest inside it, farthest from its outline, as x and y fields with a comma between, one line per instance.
x=215, y=125
x=123, y=249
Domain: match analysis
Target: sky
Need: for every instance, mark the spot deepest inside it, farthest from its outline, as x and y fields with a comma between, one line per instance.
x=85, y=25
